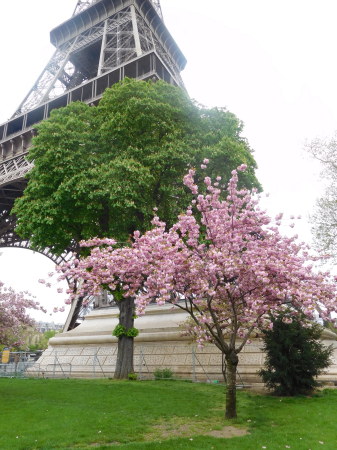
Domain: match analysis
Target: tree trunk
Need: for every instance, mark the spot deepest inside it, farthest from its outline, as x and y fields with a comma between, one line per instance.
x=232, y=364
x=124, y=364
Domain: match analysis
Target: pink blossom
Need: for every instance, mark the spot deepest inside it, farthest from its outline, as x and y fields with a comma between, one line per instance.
x=224, y=262
x=242, y=168
x=14, y=315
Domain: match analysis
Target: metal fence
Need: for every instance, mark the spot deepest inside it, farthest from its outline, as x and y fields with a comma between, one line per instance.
x=26, y=364
x=145, y=369
x=16, y=364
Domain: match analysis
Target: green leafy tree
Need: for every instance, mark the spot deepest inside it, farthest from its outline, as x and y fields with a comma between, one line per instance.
x=294, y=356
x=41, y=340
x=100, y=171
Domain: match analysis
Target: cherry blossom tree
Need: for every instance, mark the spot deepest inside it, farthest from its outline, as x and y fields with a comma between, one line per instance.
x=14, y=317
x=224, y=262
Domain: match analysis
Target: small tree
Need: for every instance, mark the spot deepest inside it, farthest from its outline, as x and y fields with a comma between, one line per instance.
x=224, y=262
x=294, y=356
x=14, y=319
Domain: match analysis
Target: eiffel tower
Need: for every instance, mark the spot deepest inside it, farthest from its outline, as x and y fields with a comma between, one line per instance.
x=102, y=43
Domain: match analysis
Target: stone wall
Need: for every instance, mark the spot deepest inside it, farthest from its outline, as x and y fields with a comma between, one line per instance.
x=91, y=351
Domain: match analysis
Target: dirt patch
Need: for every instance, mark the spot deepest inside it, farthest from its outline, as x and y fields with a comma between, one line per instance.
x=100, y=444
x=228, y=432
x=183, y=427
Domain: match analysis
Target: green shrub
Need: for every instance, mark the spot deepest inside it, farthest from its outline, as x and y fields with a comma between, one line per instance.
x=163, y=374
x=294, y=357
x=132, y=376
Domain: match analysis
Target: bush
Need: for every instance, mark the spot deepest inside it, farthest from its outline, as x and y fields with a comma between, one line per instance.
x=162, y=374
x=132, y=376
x=294, y=357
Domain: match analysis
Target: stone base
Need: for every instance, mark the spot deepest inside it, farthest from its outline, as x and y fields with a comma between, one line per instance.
x=90, y=350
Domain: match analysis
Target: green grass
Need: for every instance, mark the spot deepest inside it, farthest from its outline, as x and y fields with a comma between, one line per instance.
x=106, y=414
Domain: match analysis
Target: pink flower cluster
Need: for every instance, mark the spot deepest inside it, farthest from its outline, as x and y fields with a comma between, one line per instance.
x=224, y=262
x=13, y=314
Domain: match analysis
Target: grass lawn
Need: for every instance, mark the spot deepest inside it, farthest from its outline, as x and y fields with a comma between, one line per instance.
x=107, y=414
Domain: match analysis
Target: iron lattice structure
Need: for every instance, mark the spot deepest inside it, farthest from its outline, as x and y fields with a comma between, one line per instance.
x=103, y=42
x=83, y=4
x=103, y=35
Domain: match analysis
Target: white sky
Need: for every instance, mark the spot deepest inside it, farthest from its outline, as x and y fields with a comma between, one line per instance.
x=270, y=62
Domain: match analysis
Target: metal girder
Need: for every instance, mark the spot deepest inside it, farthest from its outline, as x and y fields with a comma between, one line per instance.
x=12, y=185
x=126, y=36
x=156, y=4
x=14, y=169
x=16, y=242
x=61, y=73
x=83, y=4
x=118, y=44
x=8, y=239
x=150, y=41
x=54, y=80
x=96, y=48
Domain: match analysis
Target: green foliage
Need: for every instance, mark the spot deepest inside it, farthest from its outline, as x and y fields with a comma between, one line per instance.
x=132, y=332
x=132, y=376
x=163, y=374
x=294, y=357
x=120, y=330
x=33, y=347
x=332, y=326
x=43, y=340
x=100, y=171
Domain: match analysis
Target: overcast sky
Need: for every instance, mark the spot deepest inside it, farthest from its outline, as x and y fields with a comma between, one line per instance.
x=270, y=62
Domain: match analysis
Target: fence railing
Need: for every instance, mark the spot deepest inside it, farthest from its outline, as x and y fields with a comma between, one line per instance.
x=99, y=365
x=16, y=364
